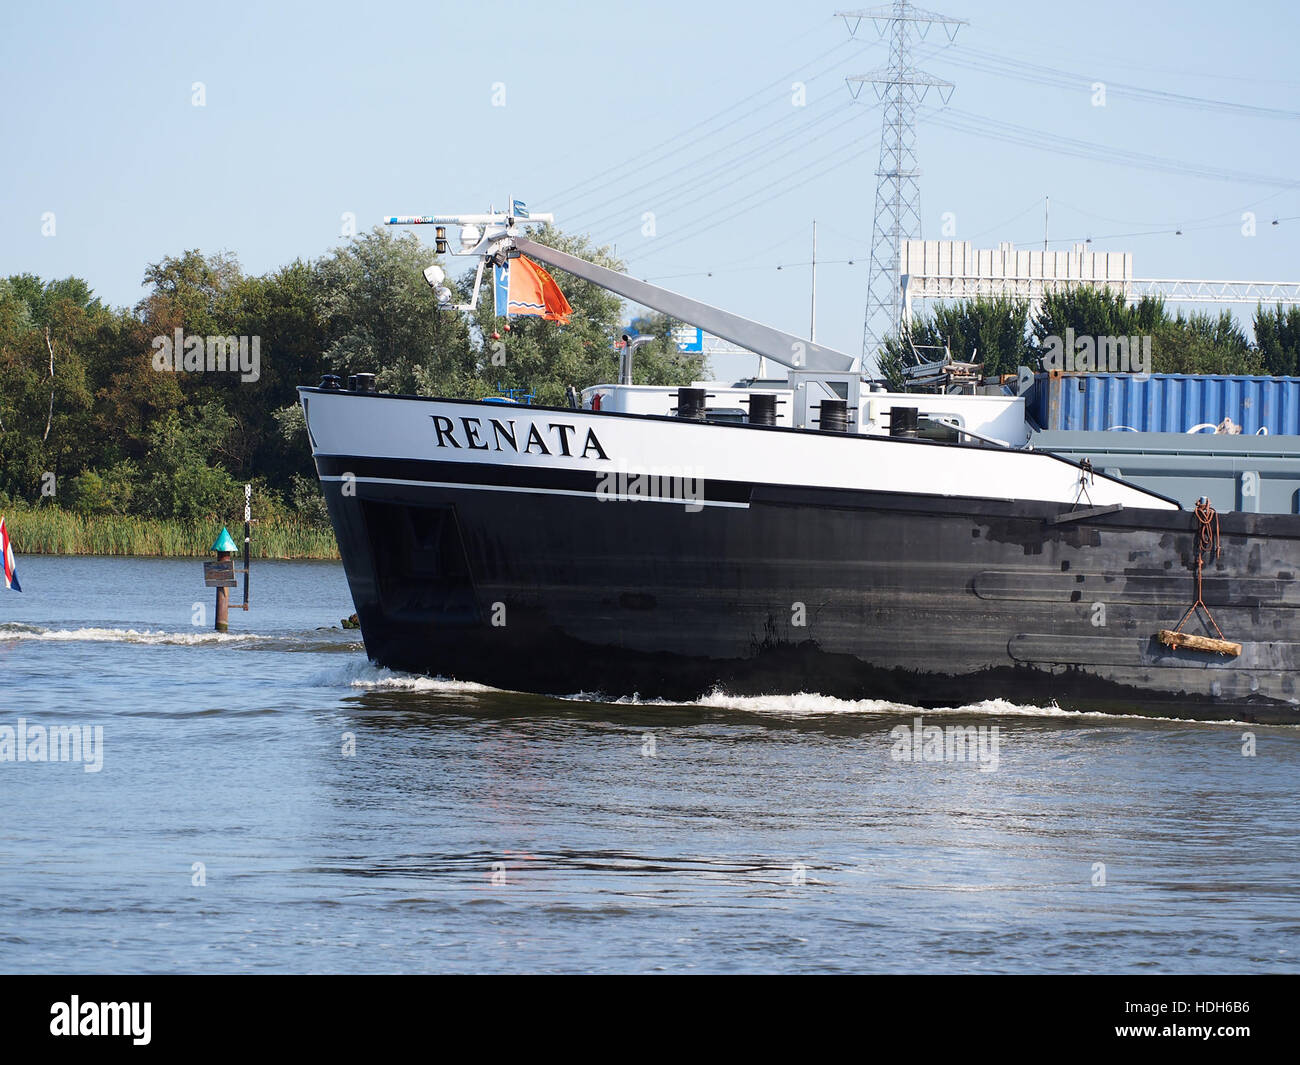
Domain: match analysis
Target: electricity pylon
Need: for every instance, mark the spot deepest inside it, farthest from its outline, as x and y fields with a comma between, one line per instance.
x=901, y=88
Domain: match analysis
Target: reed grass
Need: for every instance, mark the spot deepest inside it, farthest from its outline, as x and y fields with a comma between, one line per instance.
x=51, y=530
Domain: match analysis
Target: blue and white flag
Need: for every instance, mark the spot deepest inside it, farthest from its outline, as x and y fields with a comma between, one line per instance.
x=501, y=289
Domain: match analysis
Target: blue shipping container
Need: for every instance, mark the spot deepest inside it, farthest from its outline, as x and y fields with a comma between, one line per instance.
x=1164, y=403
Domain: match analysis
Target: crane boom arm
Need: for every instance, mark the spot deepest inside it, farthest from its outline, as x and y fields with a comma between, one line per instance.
x=789, y=350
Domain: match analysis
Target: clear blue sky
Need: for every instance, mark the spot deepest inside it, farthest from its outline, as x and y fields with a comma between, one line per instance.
x=313, y=110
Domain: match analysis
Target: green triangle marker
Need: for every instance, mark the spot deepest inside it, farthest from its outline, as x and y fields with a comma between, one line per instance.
x=224, y=542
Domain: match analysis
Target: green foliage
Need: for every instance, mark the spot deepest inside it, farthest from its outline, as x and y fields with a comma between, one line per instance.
x=1203, y=343
x=985, y=329
x=307, y=500
x=62, y=531
x=149, y=453
x=178, y=481
x=1277, y=336
x=1004, y=335
x=381, y=318
x=1094, y=312
x=1180, y=343
x=108, y=491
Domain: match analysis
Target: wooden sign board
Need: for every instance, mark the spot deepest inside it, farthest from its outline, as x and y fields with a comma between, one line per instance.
x=219, y=574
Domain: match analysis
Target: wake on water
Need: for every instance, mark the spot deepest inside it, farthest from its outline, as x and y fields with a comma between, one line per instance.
x=367, y=676
x=371, y=677
x=311, y=640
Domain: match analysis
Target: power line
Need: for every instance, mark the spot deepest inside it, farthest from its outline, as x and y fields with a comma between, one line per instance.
x=643, y=165
x=675, y=144
x=752, y=269
x=1110, y=58
x=1015, y=217
x=808, y=173
x=1192, y=221
x=666, y=193
x=983, y=126
x=1006, y=66
x=696, y=188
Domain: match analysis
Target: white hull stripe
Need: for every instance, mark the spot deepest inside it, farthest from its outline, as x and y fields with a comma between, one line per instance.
x=611, y=497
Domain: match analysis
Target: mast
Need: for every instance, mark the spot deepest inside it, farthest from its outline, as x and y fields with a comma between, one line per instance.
x=497, y=238
x=812, y=328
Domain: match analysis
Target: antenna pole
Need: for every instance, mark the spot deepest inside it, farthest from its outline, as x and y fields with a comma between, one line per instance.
x=812, y=328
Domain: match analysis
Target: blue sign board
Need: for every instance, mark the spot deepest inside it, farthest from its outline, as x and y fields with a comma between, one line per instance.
x=689, y=339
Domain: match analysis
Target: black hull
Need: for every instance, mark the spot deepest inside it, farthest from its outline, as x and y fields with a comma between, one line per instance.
x=541, y=587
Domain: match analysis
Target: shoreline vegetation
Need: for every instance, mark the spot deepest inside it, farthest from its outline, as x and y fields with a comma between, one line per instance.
x=50, y=530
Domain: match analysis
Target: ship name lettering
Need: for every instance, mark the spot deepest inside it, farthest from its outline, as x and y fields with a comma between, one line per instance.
x=505, y=436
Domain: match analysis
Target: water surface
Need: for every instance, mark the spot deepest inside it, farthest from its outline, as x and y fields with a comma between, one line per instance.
x=348, y=819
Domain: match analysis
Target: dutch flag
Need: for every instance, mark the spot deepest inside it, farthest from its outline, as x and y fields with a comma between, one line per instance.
x=7, y=553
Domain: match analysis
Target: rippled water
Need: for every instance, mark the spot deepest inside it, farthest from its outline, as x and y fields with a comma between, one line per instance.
x=479, y=830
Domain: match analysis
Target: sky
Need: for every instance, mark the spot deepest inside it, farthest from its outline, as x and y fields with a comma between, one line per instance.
x=700, y=139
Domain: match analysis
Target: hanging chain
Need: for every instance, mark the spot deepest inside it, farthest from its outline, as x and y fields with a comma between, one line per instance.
x=1207, y=547
x=1086, y=477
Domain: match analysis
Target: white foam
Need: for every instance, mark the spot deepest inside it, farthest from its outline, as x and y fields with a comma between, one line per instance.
x=287, y=641
x=804, y=704
x=368, y=676
x=811, y=704
x=140, y=636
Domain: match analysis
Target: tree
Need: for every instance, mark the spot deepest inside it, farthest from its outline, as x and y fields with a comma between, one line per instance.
x=1094, y=312
x=177, y=480
x=381, y=318
x=1003, y=335
x=989, y=330
x=1203, y=343
x=197, y=291
x=47, y=333
x=1277, y=339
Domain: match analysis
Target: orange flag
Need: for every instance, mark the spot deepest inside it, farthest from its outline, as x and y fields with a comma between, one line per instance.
x=534, y=291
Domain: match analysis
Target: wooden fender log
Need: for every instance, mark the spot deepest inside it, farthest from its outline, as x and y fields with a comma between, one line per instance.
x=1199, y=643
